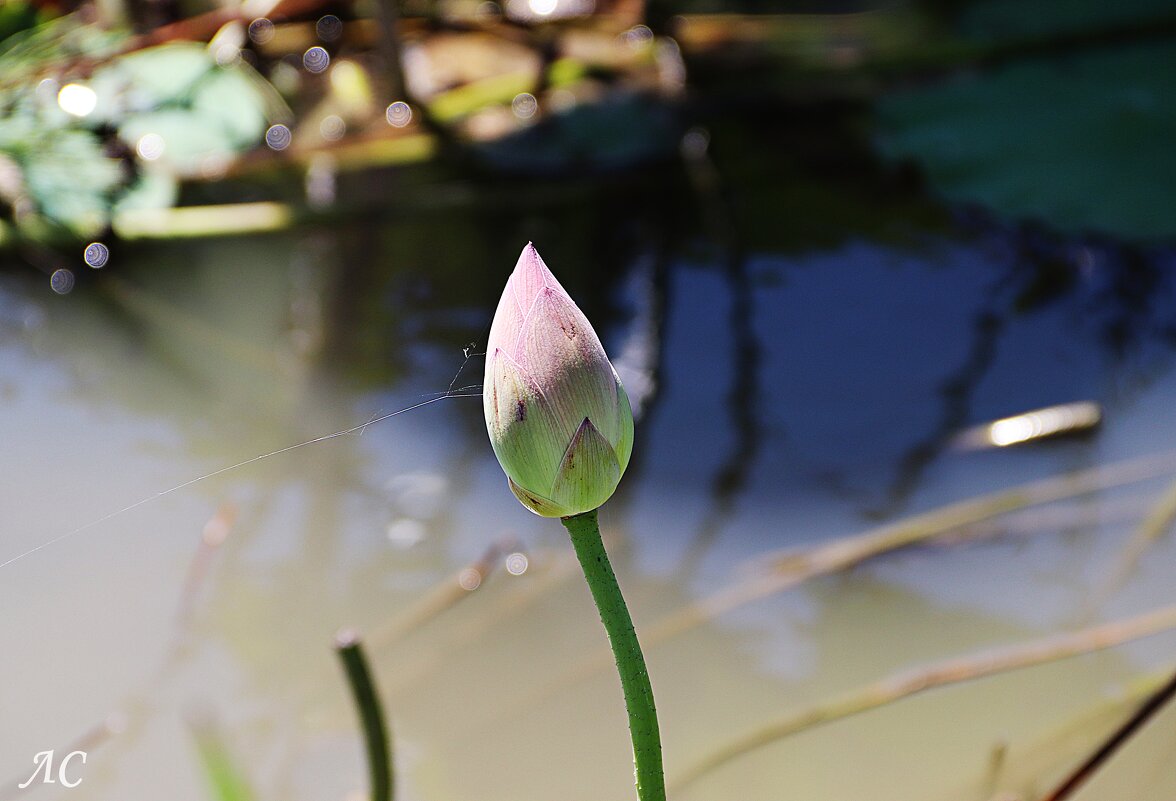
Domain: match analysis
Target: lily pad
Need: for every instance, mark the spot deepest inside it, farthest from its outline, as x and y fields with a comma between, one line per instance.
x=154, y=189
x=185, y=139
x=229, y=100
x=71, y=180
x=154, y=77
x=1083, y=142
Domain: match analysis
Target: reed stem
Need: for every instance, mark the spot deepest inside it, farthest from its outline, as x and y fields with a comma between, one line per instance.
x=367, y=701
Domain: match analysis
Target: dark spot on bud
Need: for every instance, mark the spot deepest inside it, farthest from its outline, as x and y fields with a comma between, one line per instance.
x=520, y=410
x=569, y=329
x=530, y=498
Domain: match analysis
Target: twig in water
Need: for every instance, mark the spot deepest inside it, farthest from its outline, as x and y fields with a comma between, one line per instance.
x=371, y=714
x=446, y=594
x=909, y=682
x=443, y=596
x=215, y=532
x=996, y=764
x=1105, y=751
x=548, y=576
x=919, y=527
x=1084, y=515
x=1158, y=523
x=786, y=570
x=1047, y=752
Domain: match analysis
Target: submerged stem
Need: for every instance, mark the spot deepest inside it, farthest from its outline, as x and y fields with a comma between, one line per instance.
x=647, y=756
x=371, y=714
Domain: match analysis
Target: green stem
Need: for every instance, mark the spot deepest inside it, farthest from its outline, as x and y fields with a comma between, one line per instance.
x=647, y=755
x=375, y=734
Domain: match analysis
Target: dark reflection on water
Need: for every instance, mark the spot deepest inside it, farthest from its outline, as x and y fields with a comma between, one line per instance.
x=1123, y=287
x=743, y=396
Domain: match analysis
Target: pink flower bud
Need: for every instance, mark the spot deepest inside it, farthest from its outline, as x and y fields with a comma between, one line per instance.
x=558, y=417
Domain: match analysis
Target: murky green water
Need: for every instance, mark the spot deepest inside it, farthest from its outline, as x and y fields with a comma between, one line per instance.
x=799, y=383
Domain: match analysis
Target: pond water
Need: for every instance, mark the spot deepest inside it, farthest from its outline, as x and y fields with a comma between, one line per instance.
x=801, y=378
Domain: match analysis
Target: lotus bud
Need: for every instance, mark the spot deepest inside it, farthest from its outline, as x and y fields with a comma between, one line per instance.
x=558, y=417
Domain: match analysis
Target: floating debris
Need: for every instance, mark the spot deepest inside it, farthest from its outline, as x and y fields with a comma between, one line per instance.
x=1079, y=417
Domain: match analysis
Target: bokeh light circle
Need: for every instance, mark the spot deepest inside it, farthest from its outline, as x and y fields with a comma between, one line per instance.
x=278, y=137
x=399, y=114
x=96, y=255
x=62, y=281
x=316, y=59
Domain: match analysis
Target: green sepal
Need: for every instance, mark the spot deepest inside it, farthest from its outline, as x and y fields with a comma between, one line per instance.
x=588, y=473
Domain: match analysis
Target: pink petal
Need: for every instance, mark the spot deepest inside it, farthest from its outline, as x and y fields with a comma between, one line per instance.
x=530, y=276
x=506, y=328
x=528, y=439
x=562, y=353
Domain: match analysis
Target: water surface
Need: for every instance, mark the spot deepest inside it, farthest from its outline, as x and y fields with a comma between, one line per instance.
x=796, y=387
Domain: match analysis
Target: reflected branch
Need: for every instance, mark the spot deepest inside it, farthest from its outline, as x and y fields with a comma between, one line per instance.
x=746, y=363
x=956, y=392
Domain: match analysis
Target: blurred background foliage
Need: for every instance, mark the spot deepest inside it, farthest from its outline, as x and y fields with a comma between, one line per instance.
x=115, y=113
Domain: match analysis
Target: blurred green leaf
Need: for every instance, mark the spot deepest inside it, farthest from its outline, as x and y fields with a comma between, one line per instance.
x=179, y=93
x=221, y=771
x=37, y=51
x=155, y=77
x=154, y=189
x=188, y=138
x=230, y=100
x=71, y=180
x=175, y=110
x=16, y=16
